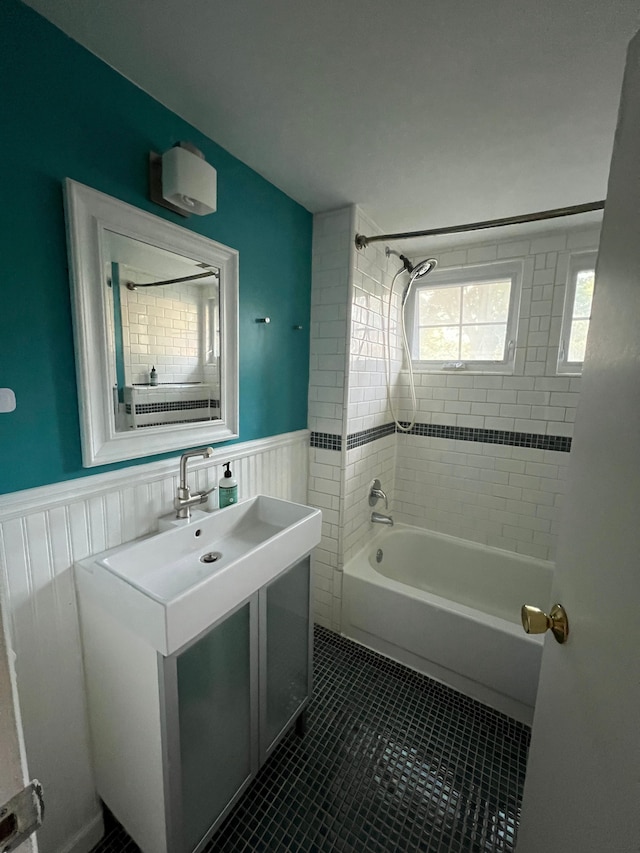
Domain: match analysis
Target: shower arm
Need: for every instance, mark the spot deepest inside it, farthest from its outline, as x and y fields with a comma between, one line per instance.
x=362, y=241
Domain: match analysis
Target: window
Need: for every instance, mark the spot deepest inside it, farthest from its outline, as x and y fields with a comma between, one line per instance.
x=577, y=312
x=212, y=327
x=467, y=318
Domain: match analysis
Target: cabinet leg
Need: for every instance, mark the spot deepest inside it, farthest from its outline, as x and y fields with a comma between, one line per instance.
x=301, y=724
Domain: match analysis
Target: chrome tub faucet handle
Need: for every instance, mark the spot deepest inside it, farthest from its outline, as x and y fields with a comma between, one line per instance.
x=375, y=492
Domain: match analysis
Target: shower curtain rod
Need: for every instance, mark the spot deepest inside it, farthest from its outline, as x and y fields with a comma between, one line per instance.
x=132, y=285
x=362, y=242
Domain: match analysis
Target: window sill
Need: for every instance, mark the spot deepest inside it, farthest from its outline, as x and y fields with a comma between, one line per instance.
x=569, y=371
x=497, y=370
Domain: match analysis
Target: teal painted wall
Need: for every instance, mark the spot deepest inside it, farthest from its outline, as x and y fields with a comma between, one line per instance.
x=64, y=113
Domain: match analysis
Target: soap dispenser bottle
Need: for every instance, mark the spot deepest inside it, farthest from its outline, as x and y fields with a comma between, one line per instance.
x=227, y=488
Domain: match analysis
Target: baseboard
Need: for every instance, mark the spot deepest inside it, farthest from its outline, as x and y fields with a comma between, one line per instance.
x=87, y=838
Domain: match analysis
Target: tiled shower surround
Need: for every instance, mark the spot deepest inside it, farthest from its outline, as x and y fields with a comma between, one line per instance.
x=347, y=393
x=488, y=457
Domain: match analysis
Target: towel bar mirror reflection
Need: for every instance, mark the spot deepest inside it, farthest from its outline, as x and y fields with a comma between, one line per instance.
x=155, y=315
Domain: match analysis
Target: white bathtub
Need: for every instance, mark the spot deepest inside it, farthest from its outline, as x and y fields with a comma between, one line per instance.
x=451, y=609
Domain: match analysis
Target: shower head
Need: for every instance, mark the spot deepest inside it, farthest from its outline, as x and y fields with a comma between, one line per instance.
x=420, y=270
x=424, y=268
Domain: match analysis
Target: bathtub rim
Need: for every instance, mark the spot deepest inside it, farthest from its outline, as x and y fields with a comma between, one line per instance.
x=362, y=560
x=466, y=544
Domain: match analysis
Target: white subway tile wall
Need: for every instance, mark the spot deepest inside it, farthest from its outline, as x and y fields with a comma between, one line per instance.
x=162, y=327
x=330, y=288
x=347, y=389
x=329, y=320
x=363, y=464
x=325, y=485
x=368, y=401
x=509, y=497
x=42, y=532
x=372, y=277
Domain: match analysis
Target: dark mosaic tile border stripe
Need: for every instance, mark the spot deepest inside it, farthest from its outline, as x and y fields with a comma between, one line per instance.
x=326, y=441
x=208, y=419
x=559, y=443
x=392, y=762
x=493, y=436
x=357, y=439
x=177, y=406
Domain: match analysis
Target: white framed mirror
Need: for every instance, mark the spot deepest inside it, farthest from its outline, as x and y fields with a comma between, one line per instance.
x=155, y=318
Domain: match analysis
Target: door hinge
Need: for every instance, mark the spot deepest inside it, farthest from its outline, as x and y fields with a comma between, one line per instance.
x=21, y=816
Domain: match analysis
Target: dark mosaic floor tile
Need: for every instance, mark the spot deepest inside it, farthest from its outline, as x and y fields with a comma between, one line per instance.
x=391, y=761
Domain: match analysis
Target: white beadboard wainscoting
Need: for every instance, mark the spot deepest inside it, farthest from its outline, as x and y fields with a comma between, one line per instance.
x=42, y=532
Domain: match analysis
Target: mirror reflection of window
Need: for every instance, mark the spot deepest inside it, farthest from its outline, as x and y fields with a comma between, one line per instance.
x=211, y=360
x=212, y=308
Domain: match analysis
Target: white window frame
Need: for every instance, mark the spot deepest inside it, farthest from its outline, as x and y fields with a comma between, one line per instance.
x=211, y=336
x=461, y=276
x=577, y=263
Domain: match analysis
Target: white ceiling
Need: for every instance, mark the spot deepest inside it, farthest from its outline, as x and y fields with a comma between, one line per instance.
x=426, y=112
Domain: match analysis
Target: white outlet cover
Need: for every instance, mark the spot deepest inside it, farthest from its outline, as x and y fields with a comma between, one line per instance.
x=7, y=400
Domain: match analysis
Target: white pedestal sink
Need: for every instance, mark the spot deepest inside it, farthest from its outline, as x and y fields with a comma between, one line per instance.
x=170, y=587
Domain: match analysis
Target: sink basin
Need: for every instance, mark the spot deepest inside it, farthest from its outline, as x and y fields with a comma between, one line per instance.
x=170, y=587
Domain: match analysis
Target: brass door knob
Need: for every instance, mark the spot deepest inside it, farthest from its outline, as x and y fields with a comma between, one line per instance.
x=535, y=621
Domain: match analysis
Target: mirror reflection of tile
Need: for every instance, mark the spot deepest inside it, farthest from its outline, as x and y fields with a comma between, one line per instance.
x=165, y=338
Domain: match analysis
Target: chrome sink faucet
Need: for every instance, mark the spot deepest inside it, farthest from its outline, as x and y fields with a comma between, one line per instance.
x=184, y=500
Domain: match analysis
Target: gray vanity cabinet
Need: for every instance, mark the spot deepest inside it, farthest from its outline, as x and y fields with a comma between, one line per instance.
x=285, y=667
x=229, y=697
x=210, y=703
x=176, y=739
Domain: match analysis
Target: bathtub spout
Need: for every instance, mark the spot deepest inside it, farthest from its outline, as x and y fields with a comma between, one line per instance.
x=379, y=518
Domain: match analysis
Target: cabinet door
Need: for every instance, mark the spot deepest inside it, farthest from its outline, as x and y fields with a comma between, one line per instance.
x=285, y=671
x=216, y=681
